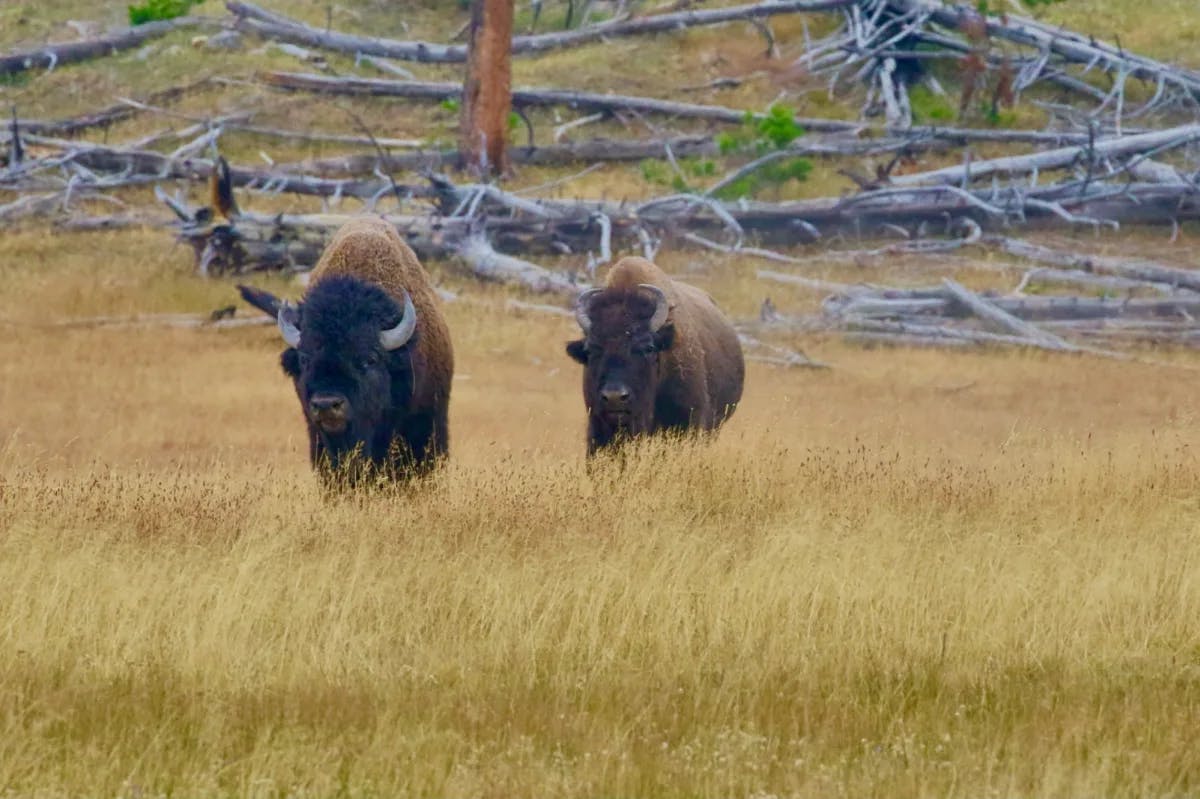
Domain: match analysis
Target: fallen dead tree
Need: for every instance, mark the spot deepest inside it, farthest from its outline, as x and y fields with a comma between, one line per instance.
x=1091, y=154
x=951, y=314
x=80, y=167
x=521, y=97
x=269, y=25
x=592, y=102
x=518, y=226
x=54, y=55
x=111, y=115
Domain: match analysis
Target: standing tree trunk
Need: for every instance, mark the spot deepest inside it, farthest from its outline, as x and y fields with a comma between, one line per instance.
x=487, y=89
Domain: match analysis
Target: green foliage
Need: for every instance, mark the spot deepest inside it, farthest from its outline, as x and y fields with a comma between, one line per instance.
x=450, y=104
x=928, y=106
x=655, y=171
x=985, y=7
x=774, y=130
x=996, y=117
x=660, y=172
x=155, y=10
x=758, y=135
x=773, y=174
x=778, y=126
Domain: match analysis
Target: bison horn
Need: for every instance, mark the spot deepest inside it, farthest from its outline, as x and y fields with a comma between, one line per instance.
x=396, y=337
x=291, y=333
x=581, y=309
x=661, y=309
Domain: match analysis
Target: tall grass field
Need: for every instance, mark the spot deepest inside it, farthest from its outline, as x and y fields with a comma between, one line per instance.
x=915, y=574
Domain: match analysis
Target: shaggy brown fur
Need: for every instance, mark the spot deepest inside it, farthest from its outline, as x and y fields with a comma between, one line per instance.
x=370, y=249
x=700, y=373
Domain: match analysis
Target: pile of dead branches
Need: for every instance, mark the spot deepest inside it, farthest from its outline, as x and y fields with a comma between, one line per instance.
x=1122, y=151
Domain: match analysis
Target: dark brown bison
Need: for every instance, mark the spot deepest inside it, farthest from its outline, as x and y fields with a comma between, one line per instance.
x=370, y=356
x=657, y=355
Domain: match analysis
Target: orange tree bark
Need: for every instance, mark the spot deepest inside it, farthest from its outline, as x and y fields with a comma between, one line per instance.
x=487, y=89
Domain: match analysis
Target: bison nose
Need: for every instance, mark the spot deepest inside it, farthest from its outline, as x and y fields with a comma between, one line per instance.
x=328, y=411
x=615, y=397
x=327, y=403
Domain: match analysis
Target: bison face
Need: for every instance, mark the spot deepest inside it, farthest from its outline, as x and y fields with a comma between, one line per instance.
x=625, y=332
x=350, y=360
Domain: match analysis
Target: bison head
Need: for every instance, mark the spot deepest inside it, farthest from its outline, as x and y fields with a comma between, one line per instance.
x=625, y=330
x=349, y=356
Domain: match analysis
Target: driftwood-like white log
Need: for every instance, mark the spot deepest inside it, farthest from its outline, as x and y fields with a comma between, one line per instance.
x=1061, y=158
x=1073, y=277
x=487, y=264
x=1142, y=271
x=275, y=26
x=993, y=313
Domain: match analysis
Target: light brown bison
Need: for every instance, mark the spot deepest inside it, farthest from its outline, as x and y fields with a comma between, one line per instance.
x=370, y=355
x=657, y=354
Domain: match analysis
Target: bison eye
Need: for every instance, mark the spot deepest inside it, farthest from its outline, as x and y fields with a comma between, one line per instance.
x=370, y=360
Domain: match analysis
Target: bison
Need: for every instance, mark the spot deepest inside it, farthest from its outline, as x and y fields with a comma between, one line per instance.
x=370, y=356
x=657, y=355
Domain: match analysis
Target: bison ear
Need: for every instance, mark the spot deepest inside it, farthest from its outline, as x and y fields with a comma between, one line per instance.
x=290, y=361
x=578, y=350
x=664, y=337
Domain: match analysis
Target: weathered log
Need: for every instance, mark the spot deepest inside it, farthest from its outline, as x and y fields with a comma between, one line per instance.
x=1073, y=277
x=53, y=55
x=593, y=151
x=941, y=332
x=990, y=311
x=1142, y=271
x=110, y=115
x=132, y=167
x=275, y=26
x=1054, y=159
x=424, y=90
x=486, y=263
x=594, y=102
x=1023, y=308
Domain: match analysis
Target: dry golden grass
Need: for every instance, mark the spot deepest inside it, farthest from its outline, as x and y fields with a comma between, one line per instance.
x=918, y=574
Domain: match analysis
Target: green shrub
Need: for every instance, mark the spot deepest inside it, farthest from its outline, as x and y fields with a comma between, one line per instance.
x=155, y=10
x=773, y=174
x=930, y=107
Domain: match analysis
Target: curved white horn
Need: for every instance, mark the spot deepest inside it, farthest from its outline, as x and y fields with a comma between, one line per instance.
x=398, y=336
x=581, y=309
x=661, y=309
x=291, y=333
